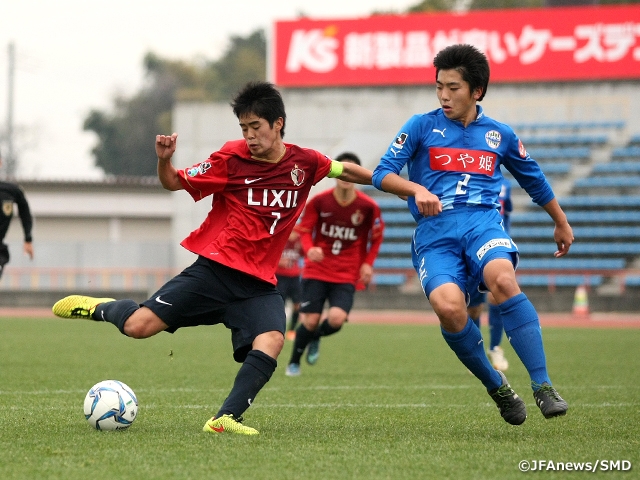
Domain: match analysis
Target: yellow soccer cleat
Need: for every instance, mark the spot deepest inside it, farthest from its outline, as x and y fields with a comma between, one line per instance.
x=78, y=306
x=227, y=423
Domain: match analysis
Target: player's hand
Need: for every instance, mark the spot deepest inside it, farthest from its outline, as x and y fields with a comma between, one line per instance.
x=563, y=236
x=428, y=204
x=366, y=273
x=28, y=249
x=166, y=146
x=315, y=254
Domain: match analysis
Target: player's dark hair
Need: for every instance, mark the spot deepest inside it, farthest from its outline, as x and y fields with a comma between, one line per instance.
x=470, y=62
x=261, y=99
x=348, y=157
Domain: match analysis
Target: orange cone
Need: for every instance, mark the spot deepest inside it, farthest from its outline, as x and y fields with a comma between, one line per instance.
x=581, y=302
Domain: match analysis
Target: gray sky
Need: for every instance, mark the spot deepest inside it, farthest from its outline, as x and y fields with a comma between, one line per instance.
x=75, y=55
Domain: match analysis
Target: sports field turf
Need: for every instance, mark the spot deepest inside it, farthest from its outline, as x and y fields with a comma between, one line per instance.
x=384, y=401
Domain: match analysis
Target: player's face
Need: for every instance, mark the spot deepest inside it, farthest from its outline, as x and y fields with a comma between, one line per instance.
x=263, y=140
x=457, y=100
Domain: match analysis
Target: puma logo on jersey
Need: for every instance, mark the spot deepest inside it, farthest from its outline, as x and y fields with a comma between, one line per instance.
x=441, y=132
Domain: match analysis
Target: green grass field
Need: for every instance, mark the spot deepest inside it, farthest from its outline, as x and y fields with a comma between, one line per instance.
x=383, y=402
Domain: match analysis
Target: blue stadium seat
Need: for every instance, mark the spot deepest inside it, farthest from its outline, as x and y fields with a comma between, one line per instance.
x=390, y=279
x=571, y=264
x=577, y=216
x=398, y=232
x=617, y=167
x=565, y=140
x=626, y=152
x=601, y=201
x=393, y=263
x=397, y=217
x=632, y=281
x=559, y=280
x=618, y=181
x=560, y=152
x=607, y=232
x=581, y=248
x=555, y=126
x=395, y=248
x=555, y=168
x=390, y=202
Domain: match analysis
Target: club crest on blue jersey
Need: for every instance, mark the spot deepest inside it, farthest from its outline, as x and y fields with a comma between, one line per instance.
x=493, y=138
x=199, y=169
x=400, y=140
x=297, y=175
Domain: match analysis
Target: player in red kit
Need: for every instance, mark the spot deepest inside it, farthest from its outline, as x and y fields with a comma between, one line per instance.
x=341, y=232
x=259, y=186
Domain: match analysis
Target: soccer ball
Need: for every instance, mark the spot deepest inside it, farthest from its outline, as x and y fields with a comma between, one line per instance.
x=110, y=405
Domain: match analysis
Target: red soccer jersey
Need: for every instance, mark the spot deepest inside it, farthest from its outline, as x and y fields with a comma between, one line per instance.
x=255, y=204
x=349, y=236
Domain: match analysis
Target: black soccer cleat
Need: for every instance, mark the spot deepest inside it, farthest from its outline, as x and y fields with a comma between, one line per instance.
x=549, y=401
x=511, y=406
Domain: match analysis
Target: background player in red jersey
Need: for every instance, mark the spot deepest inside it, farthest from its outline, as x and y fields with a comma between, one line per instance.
x=341, y=231
x=288, y=275
x=259, y=186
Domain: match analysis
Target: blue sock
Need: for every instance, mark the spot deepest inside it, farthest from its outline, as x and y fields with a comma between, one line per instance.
x=468, y=346
x=495, y=326
x=522, y=326
x=476, y=321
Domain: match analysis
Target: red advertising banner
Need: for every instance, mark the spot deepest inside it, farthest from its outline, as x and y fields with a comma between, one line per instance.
x=522, y=45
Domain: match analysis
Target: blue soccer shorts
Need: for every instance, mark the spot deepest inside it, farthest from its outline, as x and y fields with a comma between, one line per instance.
x=455, y=246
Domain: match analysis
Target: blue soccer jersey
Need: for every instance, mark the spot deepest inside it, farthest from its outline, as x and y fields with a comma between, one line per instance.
x=461, y=166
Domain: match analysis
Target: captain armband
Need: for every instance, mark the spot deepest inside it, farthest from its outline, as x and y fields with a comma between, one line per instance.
x=336, y=169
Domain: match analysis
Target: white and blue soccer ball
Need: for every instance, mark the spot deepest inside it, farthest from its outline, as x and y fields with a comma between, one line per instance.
x=110, y=405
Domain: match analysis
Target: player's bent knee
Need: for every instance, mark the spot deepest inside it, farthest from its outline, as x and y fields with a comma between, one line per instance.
x=270, y=343
x=143, y=324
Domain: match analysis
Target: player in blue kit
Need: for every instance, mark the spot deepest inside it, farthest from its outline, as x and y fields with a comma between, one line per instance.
x=453, y=155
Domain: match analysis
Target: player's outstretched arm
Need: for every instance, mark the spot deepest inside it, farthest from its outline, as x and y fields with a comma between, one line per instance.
x=167, y=173
x=428, y=204
x=562, y=233
x=355, y=174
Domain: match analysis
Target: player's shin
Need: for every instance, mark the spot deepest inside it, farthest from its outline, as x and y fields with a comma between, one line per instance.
x=254, y=373
x=522, y=327
x=468, y=346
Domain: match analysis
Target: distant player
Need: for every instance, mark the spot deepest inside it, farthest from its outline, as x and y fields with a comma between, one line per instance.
x=477, y=298
x=11, y=194
x=341, y=232
x=288, y=276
